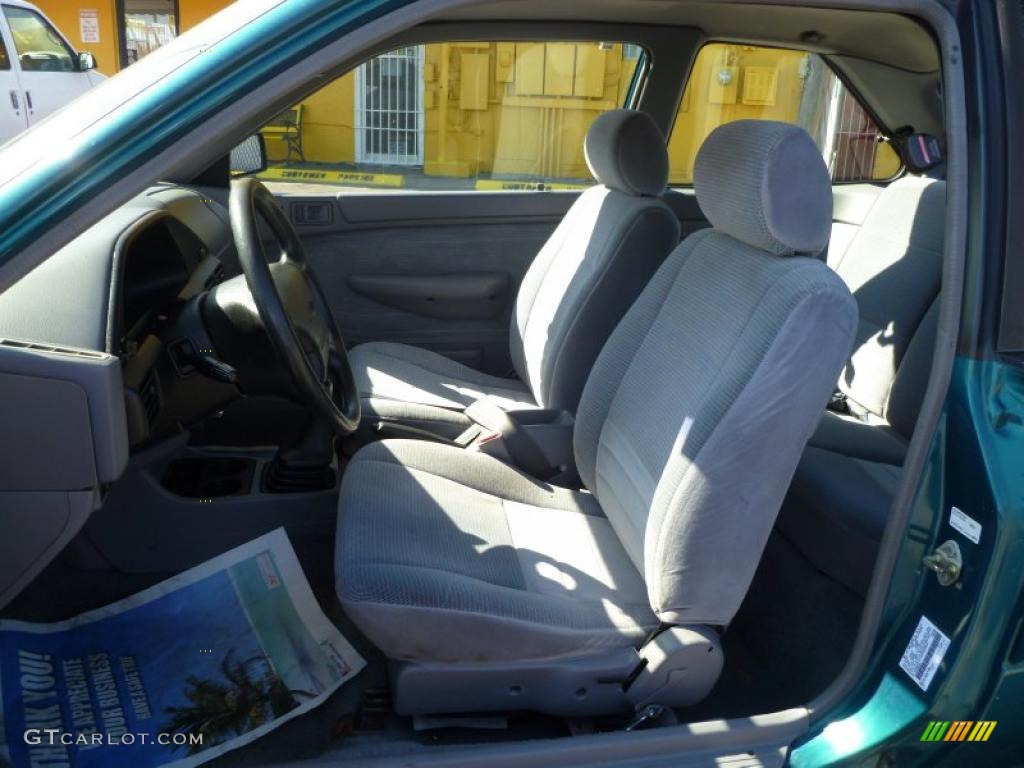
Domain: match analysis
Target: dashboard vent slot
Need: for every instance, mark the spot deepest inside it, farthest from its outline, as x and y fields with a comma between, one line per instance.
x=67, y=351
x=150, y=394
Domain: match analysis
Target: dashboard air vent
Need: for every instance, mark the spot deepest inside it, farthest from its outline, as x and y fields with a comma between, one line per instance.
x=49, y=348
x=150, y=394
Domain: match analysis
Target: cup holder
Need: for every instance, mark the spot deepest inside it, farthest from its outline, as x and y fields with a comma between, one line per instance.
x=228, y=487
x=206, y=478
x=227, y=467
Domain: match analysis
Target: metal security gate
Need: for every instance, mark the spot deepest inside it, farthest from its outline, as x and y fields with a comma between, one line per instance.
x=854, y=139
x=389, y=108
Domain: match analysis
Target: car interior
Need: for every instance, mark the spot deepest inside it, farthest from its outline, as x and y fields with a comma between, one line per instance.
x=557, y=461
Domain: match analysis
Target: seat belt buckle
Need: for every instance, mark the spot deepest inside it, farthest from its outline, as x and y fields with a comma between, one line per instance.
x=468, y=436
x=838, y=403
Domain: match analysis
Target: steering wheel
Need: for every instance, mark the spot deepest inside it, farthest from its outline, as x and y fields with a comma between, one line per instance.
x=292, y=308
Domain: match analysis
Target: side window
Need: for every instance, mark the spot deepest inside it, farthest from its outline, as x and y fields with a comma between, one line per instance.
x=738, y=82
x=39, y=47
x=455, y=116
x=5, y=60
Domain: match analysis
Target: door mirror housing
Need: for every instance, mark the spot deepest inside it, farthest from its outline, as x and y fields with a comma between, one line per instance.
x=249, y=157
x=86, y=61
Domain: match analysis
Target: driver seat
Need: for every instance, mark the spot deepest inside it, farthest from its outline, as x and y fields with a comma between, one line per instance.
x=491, y=590
x=575, y=292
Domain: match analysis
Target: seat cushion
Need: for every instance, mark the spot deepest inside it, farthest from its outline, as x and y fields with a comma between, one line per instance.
x=449, y=555
x=423, y=389
x=836, y=511
x=860, y=440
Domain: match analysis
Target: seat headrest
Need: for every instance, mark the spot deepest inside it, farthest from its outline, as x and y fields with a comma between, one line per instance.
x=626, y=151
x=765, y=184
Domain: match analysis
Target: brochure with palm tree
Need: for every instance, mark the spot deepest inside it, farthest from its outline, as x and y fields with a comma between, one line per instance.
x=198, y=665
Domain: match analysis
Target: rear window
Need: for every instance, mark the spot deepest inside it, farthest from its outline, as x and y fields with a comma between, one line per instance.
x=742, y=82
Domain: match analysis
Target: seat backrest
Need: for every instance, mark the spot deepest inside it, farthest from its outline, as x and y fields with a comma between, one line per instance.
x=597, y=261
x=911, y=380
x=697, y=409
x=893, y=266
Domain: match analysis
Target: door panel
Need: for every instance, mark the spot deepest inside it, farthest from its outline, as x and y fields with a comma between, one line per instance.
x=473, y=296
x=439, y=270
x=436, y=270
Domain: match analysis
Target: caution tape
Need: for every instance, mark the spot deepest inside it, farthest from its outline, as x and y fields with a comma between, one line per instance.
x=499, y=185
x=351, y=178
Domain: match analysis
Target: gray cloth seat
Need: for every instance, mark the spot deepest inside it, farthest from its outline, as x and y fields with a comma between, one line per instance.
x=495, y=564
x=688, y=431
x=577, y=288
x=838, y=505
x=836, y=513
x=849, y=436
x=425, y=390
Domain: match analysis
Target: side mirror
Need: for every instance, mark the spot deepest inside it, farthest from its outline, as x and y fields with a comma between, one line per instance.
x=86, y=61
x=249, y=157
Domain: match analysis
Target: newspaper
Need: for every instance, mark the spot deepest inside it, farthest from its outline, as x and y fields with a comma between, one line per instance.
x=176, y=675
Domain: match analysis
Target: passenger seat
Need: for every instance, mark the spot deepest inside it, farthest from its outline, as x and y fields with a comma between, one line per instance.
x=839, y=500
x=592, y=268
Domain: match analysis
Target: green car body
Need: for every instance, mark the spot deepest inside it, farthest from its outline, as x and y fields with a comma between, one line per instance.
x=975, y=461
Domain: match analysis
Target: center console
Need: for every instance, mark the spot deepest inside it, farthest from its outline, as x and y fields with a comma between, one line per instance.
x=177, y=505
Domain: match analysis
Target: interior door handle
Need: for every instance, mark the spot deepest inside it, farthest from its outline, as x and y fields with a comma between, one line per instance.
x=14, y=100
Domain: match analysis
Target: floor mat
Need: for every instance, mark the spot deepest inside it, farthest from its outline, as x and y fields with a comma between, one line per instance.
x=347, y=714
x=789, y=640
x=205, y=662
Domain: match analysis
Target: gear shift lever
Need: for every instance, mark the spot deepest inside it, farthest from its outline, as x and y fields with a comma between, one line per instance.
x=305, y=465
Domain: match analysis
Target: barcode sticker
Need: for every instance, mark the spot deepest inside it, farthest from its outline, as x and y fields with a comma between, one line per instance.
x=965, y=524
x=924, y=653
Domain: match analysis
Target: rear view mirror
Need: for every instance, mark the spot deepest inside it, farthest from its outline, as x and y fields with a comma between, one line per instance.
x=249, y=157
x=86, y=61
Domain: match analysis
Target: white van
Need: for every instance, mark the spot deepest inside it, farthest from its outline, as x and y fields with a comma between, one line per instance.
x=40, y=71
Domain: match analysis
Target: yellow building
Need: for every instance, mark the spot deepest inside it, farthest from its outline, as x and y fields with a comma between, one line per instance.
x=465, y=109
x=502, y=113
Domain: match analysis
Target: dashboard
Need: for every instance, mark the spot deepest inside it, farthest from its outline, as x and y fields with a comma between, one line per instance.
x=124, y=287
